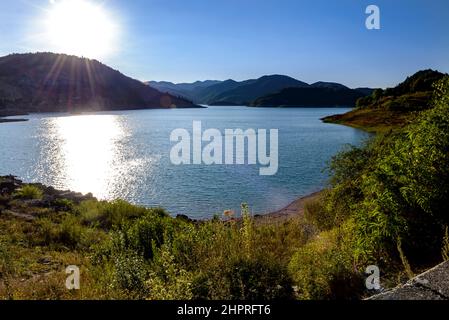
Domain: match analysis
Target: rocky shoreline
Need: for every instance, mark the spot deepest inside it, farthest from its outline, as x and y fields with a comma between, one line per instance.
x=10, y=184
x=6, y=113
x=2, y=120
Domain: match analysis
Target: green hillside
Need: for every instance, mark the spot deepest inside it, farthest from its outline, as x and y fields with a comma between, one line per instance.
x=394, y=107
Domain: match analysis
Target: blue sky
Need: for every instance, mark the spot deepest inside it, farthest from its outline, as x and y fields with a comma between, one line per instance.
x=188, y=40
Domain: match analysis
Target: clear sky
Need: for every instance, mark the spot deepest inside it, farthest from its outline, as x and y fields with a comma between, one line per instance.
x=188, y=40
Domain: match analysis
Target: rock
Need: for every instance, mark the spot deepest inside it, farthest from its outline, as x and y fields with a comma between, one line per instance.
x=35, y=203
x=431, y=285
x=183, y=217
x=23, y=216
x=44, y=260
x=9, y=184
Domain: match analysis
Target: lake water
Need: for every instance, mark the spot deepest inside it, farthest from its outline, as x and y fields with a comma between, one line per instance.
x=126, y=155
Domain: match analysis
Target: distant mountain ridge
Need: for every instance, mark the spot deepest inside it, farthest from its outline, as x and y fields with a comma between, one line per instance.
x=318, y=96
x=187, y=90
x=250, y=92
x=48, y=82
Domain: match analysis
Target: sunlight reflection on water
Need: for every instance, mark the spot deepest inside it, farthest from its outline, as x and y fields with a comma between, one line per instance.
x=86, y=156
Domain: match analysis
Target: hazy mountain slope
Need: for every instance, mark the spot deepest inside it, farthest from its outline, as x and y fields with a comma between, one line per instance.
x=230, y=92
x=167, y=87
x=187, y=90
x=249, y=91
x=310, y=97
x=209, y=94
x=53, y=82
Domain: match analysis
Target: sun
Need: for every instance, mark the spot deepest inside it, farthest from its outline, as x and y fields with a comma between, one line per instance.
x=80, y=27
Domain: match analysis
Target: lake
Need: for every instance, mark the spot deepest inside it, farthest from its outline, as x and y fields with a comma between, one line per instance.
x=126, y=155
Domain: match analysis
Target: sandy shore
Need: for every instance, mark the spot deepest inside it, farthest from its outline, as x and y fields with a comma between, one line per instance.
x=296, y=208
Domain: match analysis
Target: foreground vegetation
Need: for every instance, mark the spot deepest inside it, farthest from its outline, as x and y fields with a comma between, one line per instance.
x=386, y=205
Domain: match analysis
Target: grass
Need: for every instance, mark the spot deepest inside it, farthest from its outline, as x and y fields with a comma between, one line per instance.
x=130, y=252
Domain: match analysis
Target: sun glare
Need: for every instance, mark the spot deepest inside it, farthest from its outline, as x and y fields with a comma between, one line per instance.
x=80, y=27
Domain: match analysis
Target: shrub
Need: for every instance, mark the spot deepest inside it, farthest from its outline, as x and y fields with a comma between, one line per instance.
x=68, y=233
x=258, y=279
x=323, y=269
x=168, y=281
x=315, y=213
x=112, y=214
x=63, y=205
x=397, y=187
x=29, y=192
x=147, y=233
x=4, y=201
x=130, y=273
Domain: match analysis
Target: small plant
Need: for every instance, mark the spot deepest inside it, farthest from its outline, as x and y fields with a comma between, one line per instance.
x=29, y=192
x=404, y=260
x=445, y=249
x=316, y=214
x=6, y=269
x=63, y=205
x=169, y=281
x=258, y=278
x=247, y=230
x=130, y=273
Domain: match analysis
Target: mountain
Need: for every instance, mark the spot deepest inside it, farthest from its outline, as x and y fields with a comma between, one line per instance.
x=229, y=92
x=186, y=90
x=365, y=91
x=329, y=85
x=246, y=92
x=47, y=82
x=313, y=96
x=208, y=95
x=333, y=85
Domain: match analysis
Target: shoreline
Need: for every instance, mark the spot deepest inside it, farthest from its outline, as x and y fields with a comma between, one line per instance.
x=2, y=120
x=4, y=116
x=294, y=209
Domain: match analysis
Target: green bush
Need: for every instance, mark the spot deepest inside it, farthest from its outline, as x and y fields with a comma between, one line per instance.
x=397, y=187
x=63, y=205
x=324, y=268
x=131, y=273
x=168, y=281
x=315, y=213
x=112, y=214
x=29, y=192
x=258, y=279
x=147, y=233
x=68, y=233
